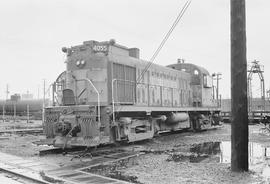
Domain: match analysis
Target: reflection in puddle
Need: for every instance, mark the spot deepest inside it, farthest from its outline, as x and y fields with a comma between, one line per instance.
x=220, y=152
x=115, y=170
x=257, y=152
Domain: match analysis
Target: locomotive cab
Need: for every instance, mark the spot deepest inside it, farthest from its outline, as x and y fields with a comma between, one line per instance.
x=201, y=84
x=86, y=73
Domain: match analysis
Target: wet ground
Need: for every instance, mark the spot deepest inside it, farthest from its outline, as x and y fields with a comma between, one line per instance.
x=185, y=157
x=193, y=158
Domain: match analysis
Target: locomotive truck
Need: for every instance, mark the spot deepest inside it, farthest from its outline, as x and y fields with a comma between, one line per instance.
x=109, y=95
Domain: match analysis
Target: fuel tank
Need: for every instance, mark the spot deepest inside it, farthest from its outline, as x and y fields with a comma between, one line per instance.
x=177, y=117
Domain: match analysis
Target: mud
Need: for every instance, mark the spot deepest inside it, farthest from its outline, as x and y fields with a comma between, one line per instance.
x=113, y=170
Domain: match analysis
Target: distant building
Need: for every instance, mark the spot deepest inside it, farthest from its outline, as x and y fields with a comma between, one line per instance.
x=27, y=96
x=15, y=97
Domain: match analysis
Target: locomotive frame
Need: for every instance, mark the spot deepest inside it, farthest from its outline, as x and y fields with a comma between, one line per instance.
x=105, y=96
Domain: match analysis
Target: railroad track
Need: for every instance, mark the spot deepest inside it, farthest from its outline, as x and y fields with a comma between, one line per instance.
x=79, y=173
x=7, y=177
x=23, y=131
x=82, y=151
x=75, y=172
x=22, y=175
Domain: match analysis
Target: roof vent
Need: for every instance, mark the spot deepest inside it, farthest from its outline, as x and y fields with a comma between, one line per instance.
x=179, y=60
x=134, y=52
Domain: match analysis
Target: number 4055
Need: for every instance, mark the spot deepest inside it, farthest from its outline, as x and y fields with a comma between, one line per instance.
x=100, y=48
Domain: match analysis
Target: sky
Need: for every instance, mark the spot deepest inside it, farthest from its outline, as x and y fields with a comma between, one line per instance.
x=34, y=31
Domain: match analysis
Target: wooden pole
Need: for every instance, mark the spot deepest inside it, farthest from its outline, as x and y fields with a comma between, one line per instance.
x=14, y=105
x=4, y=112
x=239, y=127
x=218, y=99
x=43, y=104
x=27, y=113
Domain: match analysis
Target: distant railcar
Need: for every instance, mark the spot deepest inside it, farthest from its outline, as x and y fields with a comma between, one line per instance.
x=20, y=107
x=106, y=96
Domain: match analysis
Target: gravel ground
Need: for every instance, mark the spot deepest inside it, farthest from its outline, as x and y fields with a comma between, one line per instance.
x=20, y=124
x=167, y=158
x=20, y=144
x=167, y=161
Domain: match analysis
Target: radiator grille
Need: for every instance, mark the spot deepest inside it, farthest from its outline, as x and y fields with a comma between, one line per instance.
x=90, y=130
x=50, y=119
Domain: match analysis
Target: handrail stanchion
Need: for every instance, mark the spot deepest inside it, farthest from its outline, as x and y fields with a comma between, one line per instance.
x=90, y=82
x=113, y=108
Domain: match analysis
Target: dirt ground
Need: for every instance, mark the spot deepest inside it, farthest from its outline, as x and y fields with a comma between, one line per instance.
x=185, y=157
x=175, y=163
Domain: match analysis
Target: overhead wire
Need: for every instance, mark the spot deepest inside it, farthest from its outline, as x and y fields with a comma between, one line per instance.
x=179, y=16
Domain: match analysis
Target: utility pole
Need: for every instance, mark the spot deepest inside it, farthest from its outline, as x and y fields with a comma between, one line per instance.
x=217, y=88
x=239, y=126
x=14, y=111
x=4, y=106
x=43, y=109
x=3, y=115
x=268, y=94
x=53, y=90
x=218, y=74
x=7, y=92
x=27, y=107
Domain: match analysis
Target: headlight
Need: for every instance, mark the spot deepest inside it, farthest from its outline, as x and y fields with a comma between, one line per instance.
x=80, y=63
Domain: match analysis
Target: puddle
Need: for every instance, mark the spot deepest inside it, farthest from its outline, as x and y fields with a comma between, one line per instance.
x=257, y=152
x=220, y=152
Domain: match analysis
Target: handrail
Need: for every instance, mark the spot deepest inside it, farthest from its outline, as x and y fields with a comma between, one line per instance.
x=113, y=102
x=55, y=91
x=113, y=99
x=90, y=82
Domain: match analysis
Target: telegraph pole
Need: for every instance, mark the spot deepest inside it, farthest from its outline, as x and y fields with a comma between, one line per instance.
x=7, y=92
x=218, y=74
x=4, y=106
x=217, y=88
x=218, y=96
x=239, y=127
x=27, y=113
x=43, y=106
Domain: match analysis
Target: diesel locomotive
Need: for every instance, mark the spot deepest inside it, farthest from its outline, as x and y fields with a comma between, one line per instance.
x=106, y=96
